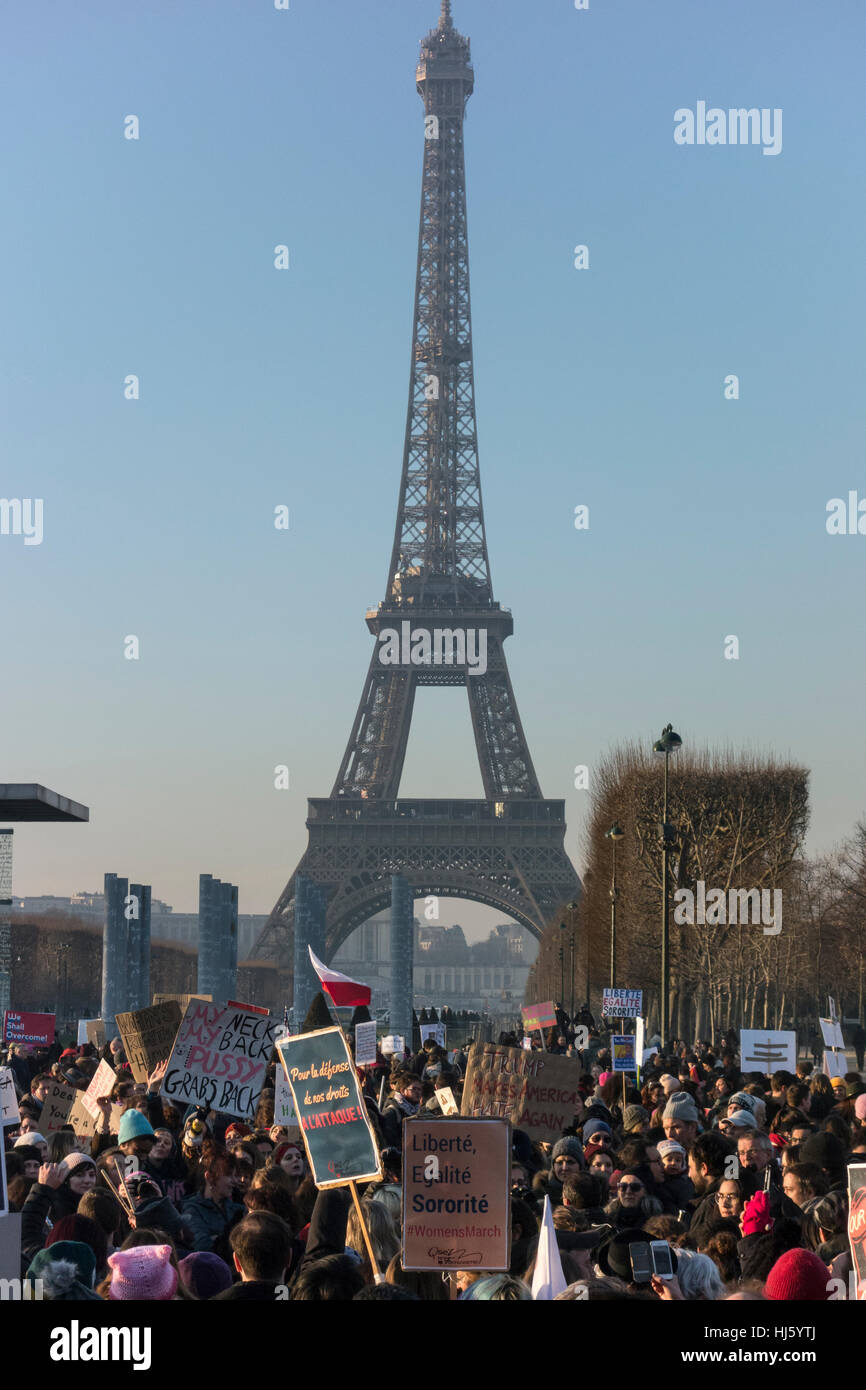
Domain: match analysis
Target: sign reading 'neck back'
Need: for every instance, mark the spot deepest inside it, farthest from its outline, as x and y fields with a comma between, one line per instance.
x=333, y=1117
x=219, y=1058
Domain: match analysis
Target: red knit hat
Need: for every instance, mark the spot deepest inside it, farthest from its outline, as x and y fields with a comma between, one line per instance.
x=799, y=1275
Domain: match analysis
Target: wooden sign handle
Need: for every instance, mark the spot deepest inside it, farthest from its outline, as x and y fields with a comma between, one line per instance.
x=378, y=1277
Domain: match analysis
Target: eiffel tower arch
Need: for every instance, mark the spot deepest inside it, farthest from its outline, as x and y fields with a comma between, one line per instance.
x=438, y=623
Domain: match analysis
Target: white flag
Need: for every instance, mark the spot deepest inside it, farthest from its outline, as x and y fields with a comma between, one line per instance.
x=547, y=1278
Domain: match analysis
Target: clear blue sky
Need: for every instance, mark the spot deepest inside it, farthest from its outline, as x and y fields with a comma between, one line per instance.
x=261, y=387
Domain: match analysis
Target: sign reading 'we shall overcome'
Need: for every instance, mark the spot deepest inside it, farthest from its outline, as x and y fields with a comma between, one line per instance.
x=335, y=1128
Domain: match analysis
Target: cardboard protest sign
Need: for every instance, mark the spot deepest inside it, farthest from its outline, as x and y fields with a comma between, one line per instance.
x=365, y=1044
x=101, y=1083
x=220, y=1057
x=35, y=1029
x=857, y=1223
x=436, y=1031
x=536, y=1091
x=335, y=1127
x=447, y=1103
x=831, y=1032
x=10, y=1245
x=81, y=1119
x=181, y=999
x=9, y=1114
x=623, y=1052
x=56, y=1108
x=622, y=1003
x=95, y=1032
x=767, y=1050
x=456, y=1194
x=148, y=1036
x=538, y=1016
x=835, y=1064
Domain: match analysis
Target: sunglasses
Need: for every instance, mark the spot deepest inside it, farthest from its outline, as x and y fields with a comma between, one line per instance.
x=630, y=1186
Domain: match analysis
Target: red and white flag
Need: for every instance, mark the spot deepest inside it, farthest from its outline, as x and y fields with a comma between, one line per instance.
x=344, y=991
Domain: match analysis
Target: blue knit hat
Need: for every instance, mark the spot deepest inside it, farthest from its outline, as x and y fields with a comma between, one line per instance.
x=594, y=1127
x=134, y=1125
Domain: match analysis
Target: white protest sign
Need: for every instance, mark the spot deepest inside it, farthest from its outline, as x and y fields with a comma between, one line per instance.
x=82, y=1029
x=527, y=1044
x=284, y=1106
x=447, y=1103
x=220, y=1058
x=835, y=1064
x=436, y=1031
x=768, y=1050
x=831, y=1031
x=100, y=1085
x=393, y=1045
x=8, y=1099
x=622, y=1003
x=639, y=1039
x=365, y=1044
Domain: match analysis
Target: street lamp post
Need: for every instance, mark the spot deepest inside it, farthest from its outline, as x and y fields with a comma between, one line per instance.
x=667, y=744
x=561, y=964
x=615, y=833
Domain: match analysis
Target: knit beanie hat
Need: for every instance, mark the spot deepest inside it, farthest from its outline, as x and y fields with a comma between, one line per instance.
x=824, y=1149
x=667, y=1077
x=74, y=1160
x=860, y=1107
x=74, y=1251
x=570, y=1146
x=134, y=1125
x=669, y=1146
x=143, y=1272
x=800, y=1275
x=205, y=1274
x=594, y=1127
x=28, y=1139
x=756, y=1215
x=680, y=1106
x=604, y=1076
x=744, y=1100
x=634, y=1115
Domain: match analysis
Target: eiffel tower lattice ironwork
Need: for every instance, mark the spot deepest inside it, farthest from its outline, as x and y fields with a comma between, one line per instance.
x=439, y=623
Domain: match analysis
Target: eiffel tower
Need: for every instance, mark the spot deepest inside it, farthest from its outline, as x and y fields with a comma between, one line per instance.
x=439, y=623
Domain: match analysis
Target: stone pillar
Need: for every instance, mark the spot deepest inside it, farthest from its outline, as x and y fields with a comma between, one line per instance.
x=114, y=952
x=144, y=995
x=402, y=951
x=209, y=975
x=227, y=945
x=5, y=920
x=134, y=927
x=232, y=979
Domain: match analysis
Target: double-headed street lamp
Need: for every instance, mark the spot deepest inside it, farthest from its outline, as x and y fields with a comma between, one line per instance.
x=615, y=834
x=667, y=744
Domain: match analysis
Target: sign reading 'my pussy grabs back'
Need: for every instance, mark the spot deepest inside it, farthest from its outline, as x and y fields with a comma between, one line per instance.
x=334, y=1124
x=220, y=1057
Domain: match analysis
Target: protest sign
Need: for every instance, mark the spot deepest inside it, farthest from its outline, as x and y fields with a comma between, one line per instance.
x=639, y=1040
x=4, y=1195
x=365, y=1044
x=81, y=1119
x=527, y=1044
x=447, y=1103
x=538, y=1016
x=622, y=1003
x=95, y=1032
x=436, y=1031
x=101, y=1083
x=456, y=1194
x=835, y=1064
x=9, y=1114
x=56, y=1108
x=220, y=1057
x=284, y=1106
x=831, y=1032
x=181, y=999
x=148, y=1035
x=831, y=1007
x=857, y=1223
x=82, y=1030
x=536, y=1091
x=335, y=1128
x=623, y=1052
x=35, y=1029
x=767, y=1050
x=393, y=1045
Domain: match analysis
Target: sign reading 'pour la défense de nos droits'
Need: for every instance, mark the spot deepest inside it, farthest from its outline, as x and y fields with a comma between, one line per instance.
x=335, y=1128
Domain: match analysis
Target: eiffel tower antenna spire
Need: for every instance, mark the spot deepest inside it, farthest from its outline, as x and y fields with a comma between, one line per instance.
x=445, y=21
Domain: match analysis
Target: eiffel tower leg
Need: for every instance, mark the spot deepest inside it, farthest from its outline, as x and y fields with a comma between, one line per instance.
x=402, y=933
x=373, y=760
x=506, y=767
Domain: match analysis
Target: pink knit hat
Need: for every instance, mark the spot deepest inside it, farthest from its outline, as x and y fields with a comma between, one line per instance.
x=860, y=1107
x=798, y=1275
x=143, y=1272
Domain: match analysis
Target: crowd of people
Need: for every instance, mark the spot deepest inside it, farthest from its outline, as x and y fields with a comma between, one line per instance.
x=740, y=1180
